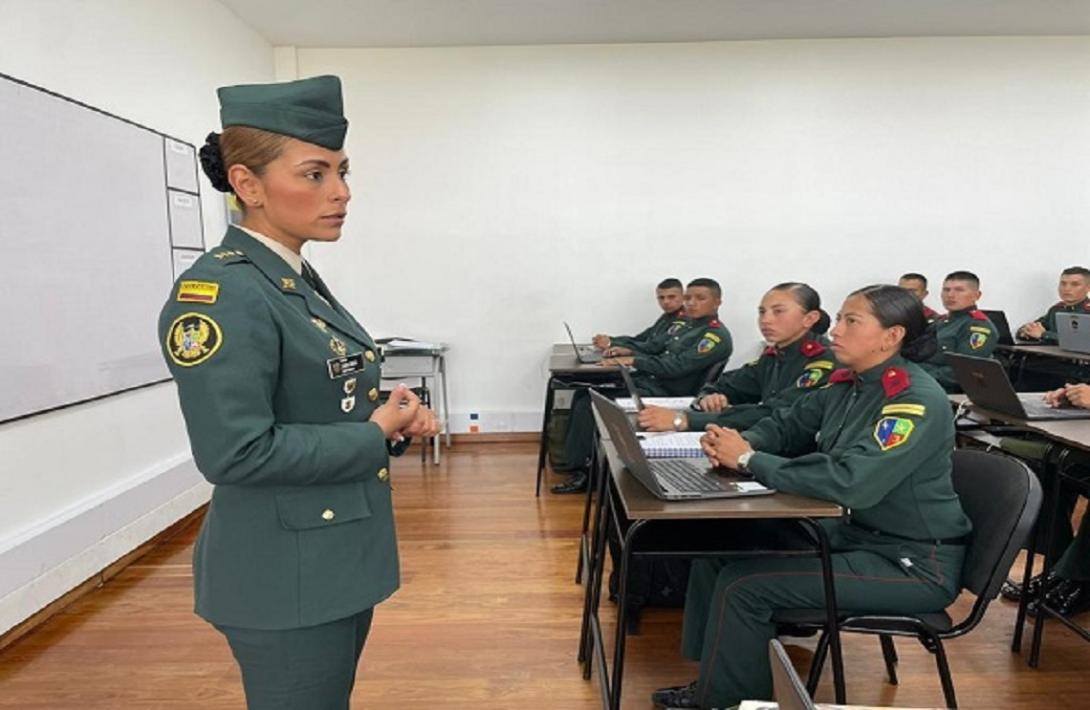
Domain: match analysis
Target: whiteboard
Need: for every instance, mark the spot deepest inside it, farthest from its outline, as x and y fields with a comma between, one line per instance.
x=87, y=259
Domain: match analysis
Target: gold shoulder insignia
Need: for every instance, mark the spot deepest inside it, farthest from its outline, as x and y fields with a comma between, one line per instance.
x=823, y=364
x=915, y=409
x=193, y=338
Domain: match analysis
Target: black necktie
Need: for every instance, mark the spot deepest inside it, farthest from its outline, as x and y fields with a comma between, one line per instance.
x=311, y=277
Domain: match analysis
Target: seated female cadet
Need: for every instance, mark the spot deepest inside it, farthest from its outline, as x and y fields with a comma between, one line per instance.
x=796, y=361
x=877, y=440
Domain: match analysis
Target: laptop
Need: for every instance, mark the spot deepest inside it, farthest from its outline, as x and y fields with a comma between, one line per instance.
x=667, y=479
x=1073, y=332
x=586, y=354
x=787, y=687
x=987, y=385
x=632, y=391
x=1002, y=327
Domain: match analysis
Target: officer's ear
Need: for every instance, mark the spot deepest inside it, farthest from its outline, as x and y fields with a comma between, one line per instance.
x=248, y=187
x=894, y=337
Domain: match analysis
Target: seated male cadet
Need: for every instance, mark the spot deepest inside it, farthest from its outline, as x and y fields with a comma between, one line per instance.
x=1073, y=289
x=674, y=366
x=671, y=297
x=917, y=284
x=797, y=360
x=963, y=329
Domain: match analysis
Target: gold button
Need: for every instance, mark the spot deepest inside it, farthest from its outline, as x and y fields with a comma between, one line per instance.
x=373, y=394
x=383, y=474
x=370, y=355
x=328, y=514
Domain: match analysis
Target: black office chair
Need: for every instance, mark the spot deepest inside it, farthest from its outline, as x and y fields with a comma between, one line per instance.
x=713, y=372
x=1001, y=497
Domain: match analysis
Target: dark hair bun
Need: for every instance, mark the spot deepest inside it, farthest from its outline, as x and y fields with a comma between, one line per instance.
x=823, y=323
x=212, y=163
x=922, y=348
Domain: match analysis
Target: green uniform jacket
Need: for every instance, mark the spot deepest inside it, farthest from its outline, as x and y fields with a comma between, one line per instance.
x=277, y=387
x=677, y=365
x=656, y=331
x=776, y=379
x=1048, y=320
x=879, y=443
x=967, y=332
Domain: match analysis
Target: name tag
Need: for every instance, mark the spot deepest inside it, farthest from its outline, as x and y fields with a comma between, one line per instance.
x=347, y=365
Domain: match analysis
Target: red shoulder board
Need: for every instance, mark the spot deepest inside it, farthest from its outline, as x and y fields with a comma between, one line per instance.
x=895, y=380
x=812, y=348
x=715, y=324
x=944, y=316
x=770, y=350
x=844, y=374
x=977, y=315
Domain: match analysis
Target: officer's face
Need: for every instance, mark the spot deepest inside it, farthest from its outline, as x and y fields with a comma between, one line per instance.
x=782, y=320
x=915, y=286
x=303, y=194
x=1073, y=288
x=670, y=299
x=959, y=295
x=860, y=341
x=700, y=302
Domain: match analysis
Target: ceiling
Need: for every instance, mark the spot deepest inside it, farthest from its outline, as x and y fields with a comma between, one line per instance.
x=435, y=23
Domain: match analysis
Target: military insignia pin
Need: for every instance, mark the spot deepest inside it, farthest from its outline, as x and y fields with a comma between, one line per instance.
x=287, y=283
x=319, y=323
x=338, y=347
x=192, y=339
x=891, y=432
x=350, y=385
x=348, y=404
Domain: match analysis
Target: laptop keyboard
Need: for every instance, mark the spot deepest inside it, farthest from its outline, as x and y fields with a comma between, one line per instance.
x=683, y=476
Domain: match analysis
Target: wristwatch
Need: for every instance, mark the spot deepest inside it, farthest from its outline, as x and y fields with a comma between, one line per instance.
x=743, y=461
x=680, y=422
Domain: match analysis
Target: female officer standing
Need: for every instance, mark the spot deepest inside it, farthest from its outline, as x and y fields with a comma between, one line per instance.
x=278, y=384
x=796, y=361
x=877, y=440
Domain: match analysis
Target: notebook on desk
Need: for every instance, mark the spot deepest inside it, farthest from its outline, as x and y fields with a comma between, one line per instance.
x=987, y=385
x=667, y=478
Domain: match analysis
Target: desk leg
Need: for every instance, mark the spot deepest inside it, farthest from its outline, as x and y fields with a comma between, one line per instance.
x=546, y=417
x=831, y=614
x=1054, y=507
x=1027, y=573
x=593, y=476
x=595, y=570
x=622, y=615
x=446, y=397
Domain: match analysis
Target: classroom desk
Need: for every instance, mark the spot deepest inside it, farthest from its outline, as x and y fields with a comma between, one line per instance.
x=1065, y=435
x=1018, y=355
x=626, y=506
x=425, y=362
x=565, y=371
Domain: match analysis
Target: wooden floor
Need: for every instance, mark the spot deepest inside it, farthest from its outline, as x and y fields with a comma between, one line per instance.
x=487, y=617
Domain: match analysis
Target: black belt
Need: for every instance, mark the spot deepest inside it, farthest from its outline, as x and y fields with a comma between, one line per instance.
x=962, y=540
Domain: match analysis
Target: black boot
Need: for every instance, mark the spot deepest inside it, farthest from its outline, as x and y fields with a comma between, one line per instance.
x=1013, y=591
x=681, y=697
x=576, y=484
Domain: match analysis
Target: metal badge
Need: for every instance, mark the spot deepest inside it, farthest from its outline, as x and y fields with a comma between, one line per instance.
x=350, y=385
x=337, y=346
x=348, y=404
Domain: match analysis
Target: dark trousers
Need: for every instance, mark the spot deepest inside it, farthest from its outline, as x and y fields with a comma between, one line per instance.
x=730, y=603
x=290, y=669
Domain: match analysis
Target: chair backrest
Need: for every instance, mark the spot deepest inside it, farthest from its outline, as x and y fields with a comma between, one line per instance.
x=1001, y=497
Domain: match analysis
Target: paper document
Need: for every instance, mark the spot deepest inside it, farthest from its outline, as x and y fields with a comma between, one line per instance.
x=628, y=405
x=672, y=445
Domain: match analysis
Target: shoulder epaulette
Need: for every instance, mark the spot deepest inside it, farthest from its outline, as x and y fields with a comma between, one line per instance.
x=895, y=380
x=812, y=348
x=769, y=350
x=227, y=256
x=977, y=315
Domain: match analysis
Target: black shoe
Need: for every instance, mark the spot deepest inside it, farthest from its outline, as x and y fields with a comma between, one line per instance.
x=576, y=484
x=681, y=697
x=1013, y=591
x=1069, y=598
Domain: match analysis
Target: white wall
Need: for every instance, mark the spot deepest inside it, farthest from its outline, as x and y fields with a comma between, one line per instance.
x=81, y=487
x=499, y=190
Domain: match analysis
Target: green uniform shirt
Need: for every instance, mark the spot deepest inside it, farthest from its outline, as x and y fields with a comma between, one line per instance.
x=967, y=332
x=879, y=443
x=657, y=330
x=776, y=379
x=676, y=366
x=1048, y=320
x=276, y=386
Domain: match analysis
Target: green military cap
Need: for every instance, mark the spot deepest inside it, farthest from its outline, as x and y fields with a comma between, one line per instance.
x=311, y=110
